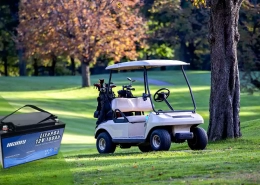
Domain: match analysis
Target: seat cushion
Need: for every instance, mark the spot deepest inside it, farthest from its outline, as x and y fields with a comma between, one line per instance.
x=131, y=104
x=123, y=104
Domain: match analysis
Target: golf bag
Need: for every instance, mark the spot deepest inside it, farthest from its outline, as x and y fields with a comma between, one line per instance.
x=105, y=97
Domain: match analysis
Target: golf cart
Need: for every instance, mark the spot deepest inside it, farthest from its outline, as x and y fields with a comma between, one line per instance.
x=123, y=123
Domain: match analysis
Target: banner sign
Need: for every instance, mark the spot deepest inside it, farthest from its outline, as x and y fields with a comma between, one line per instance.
x=29, y=147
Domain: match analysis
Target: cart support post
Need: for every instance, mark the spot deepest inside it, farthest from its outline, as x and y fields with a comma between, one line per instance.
x=147, y=86
x=187, y=81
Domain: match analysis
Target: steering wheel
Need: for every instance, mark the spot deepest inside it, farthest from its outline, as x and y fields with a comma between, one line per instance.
x=160, y=96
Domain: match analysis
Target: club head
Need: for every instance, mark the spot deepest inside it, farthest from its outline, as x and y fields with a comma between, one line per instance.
x=128, y=78
x=101, y=81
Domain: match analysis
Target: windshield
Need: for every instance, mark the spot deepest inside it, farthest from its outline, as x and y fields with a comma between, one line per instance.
x=173, y=84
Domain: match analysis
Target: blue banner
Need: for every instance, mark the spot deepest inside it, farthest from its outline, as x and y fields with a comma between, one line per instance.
x=29, y=147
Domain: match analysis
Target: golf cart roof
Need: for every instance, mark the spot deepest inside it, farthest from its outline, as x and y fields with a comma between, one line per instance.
x=145, y=63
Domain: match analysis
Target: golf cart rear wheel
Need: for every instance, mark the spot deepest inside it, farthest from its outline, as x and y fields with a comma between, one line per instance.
x=104, y=143
x=160, y=140
x=200, y=139
x=145, y=148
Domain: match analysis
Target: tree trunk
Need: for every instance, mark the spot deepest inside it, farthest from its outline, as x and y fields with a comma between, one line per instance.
x=22, y=63
x=73, y=71
x=191, y=50
x=183, y=51
x=53, y=65
x=35, y=67
x=4, y=58
x=225, y=84
x=163, y=68
x=85, y=74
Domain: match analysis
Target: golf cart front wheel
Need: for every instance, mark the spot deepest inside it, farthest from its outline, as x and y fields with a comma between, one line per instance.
x=160, y=140
x=104, y=143
x=200, y=139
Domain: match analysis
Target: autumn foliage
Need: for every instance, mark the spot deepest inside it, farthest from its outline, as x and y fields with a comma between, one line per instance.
x=84, y=29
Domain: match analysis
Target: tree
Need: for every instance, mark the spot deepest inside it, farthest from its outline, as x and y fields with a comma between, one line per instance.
x=8, y=22
x=225, y=84
x=223, y=39
x=83, y=29
x=73, y=66
x=249, y=46
x=41, y=41
x=181, y=27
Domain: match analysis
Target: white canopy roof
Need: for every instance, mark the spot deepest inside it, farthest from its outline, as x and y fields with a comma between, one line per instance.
x=146, y=63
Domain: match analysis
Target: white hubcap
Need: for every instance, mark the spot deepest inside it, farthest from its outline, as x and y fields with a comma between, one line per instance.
x=156, y=141
x=102, y=144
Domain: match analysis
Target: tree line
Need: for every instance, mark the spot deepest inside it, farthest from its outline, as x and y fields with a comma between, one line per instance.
x=58, y=37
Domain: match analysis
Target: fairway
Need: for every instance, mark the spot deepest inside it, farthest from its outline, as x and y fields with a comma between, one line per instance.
x=230, y=162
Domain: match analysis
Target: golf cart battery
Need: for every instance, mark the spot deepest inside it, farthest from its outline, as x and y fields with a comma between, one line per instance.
x=29, y=136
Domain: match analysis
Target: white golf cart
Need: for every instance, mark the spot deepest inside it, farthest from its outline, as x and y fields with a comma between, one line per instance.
x=159, y=128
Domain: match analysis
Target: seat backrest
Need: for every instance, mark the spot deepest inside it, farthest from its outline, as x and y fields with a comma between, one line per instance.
x=131, y=104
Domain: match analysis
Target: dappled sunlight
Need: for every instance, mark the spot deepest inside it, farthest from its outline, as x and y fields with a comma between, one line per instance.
x=71, y=148
x=252, y=108
x=5, y=107
x=194, y=89
x=82, y=114
x=247, y=113
x=77, y=139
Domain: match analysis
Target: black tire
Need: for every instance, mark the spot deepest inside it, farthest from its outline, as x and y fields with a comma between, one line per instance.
x=104, y=143
x=200, y=139
x=160, y=140
x=145, y=148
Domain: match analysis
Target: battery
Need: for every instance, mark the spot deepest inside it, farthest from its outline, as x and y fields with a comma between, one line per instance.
x=28, y=137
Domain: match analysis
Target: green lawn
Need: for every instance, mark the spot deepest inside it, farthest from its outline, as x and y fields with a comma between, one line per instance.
x=226, y=162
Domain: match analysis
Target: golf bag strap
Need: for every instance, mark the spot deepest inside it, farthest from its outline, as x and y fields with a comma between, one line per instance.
x=33, y=107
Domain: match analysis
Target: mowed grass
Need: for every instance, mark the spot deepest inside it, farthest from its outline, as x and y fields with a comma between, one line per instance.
x=52, y=170
x=229, y=162
x=226, y=162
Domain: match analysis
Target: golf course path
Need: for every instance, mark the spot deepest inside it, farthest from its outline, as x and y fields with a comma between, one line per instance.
x=153, y=82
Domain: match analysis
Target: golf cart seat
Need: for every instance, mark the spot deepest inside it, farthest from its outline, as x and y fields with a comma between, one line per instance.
x=132, y=105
